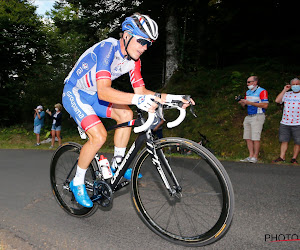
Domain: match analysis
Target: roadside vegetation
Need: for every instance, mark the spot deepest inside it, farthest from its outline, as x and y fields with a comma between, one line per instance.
x=219, y=117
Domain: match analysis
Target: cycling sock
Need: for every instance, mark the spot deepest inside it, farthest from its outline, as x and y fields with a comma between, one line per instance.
x=79, y=177
x=119, y=152
x=118, y=156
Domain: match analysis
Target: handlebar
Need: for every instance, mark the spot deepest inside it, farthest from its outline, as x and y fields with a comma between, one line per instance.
x=146, y=125
x=179, y=119
x=175, y=104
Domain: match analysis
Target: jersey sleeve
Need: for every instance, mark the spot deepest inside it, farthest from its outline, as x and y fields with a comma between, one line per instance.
x=136, y=78
x=263, y=96
x=104, y=57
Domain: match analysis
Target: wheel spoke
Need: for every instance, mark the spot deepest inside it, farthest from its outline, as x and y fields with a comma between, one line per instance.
x=201, y=208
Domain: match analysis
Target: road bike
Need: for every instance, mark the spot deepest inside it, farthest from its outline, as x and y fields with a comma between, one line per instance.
x=185, y=199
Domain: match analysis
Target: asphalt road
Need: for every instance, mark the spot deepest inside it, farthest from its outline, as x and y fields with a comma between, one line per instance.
x=267, y=208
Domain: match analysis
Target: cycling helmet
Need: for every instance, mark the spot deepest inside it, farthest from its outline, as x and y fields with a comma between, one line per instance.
x=141, y=25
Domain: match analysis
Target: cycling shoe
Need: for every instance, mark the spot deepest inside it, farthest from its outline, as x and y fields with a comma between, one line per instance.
x=81, y=195
x=128, y=173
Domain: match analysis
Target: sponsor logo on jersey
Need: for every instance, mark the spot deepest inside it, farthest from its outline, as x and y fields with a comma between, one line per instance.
x=85, y=66
x=74, y=106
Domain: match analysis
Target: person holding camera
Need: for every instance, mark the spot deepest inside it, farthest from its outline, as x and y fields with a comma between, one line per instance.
x=39, y=116
x=56, y=123
x=290, y=122
x=256, y=100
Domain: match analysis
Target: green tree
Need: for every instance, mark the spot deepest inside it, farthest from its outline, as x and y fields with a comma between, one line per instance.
x=21, y=46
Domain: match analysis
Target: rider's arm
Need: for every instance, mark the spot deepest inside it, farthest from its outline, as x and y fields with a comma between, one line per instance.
x=109, y=94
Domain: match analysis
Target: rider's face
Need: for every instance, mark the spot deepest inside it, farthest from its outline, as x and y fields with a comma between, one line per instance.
x=135, y=49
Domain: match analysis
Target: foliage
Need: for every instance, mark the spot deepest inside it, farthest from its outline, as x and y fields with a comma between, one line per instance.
x=21, y=46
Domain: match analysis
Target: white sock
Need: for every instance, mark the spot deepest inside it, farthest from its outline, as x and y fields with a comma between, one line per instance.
x=79, y=177
x=118, y=152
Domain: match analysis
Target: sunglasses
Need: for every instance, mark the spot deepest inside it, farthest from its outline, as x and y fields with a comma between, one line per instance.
x=142, y=41
x=250, y=81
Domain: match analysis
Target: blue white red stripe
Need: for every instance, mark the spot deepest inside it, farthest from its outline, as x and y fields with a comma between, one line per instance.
x=131, y=123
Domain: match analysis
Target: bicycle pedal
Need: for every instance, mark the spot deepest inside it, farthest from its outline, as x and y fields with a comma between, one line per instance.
x=121, y=185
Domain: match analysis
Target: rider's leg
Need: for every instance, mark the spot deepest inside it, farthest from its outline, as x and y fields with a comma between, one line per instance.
x=97, y=136
x=121, y=113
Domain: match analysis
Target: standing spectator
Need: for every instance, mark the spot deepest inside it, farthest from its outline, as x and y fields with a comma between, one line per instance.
x=290, y=122
x=156, y=127
x=56, y=123
x=257, y=101
x=39, y=116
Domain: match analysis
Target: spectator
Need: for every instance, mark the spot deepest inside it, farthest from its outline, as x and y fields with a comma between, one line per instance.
x=290, y=122
x=39, y=116
x=156, y=127
x=257, y=101
x=56, y=123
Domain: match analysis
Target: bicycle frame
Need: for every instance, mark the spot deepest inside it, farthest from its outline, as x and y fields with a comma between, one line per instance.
x=133, y=151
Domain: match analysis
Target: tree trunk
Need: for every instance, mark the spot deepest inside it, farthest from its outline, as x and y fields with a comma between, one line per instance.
x=171, y=47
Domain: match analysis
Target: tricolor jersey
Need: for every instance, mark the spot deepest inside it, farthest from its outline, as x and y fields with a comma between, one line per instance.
x=258, y=95
x=104, y=60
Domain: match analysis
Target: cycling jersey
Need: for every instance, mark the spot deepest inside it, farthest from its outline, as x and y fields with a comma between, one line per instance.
x=258, y=95
x=291, y=110
x=104, y=60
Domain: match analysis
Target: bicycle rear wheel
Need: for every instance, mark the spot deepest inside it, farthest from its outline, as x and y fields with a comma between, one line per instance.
x=202, y=211
x=62, y=171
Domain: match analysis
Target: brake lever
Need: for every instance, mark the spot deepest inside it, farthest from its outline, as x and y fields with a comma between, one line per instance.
x=188, y=98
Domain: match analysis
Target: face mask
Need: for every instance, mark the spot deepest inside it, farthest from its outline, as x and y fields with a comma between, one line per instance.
x=251, y=86
x=296, y=88
x=56, y=109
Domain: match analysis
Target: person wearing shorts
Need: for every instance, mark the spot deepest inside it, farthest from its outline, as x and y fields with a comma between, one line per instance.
x=256, y=100
x=56, y=123
x=39, y=116
x=88, y=93
x=290, y=122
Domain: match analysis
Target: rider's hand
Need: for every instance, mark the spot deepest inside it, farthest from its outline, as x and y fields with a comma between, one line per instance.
x=145, y=102
x=170, y=98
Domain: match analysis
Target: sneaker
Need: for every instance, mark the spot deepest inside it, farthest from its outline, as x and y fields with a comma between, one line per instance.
x=37, y=144
x=294, y=161
x=278, y=160
x=253, y=160
x=246, y=159
x=51, y=146
x=81, y=195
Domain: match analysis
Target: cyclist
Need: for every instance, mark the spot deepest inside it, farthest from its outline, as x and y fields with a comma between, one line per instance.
x=88, y=93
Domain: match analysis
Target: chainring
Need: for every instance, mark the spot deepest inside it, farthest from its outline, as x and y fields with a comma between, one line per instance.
x=103, y=193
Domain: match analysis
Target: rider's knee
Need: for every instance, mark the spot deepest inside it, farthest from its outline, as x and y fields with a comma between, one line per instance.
x=126, y=115
x=98, y=138
x=122, y=113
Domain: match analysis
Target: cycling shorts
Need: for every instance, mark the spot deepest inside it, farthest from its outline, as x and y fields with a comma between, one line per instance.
x=85, y=107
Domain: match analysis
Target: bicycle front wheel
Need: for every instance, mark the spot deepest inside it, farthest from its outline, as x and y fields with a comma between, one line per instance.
x=62, y=171
x=201, y=210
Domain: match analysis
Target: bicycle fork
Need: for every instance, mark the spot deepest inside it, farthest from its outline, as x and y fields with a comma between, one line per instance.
x=158, y=156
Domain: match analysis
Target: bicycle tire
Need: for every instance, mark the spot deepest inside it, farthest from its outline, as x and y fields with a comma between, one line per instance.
x=63, y=160
x=203, y=214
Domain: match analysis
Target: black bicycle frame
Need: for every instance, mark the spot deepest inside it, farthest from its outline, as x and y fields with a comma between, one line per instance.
x=132, y=152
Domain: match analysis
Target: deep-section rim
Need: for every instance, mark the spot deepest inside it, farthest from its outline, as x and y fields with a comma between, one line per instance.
x=83, y=212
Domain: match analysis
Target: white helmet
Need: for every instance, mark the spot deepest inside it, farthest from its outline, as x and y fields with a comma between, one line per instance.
x=141, y=25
